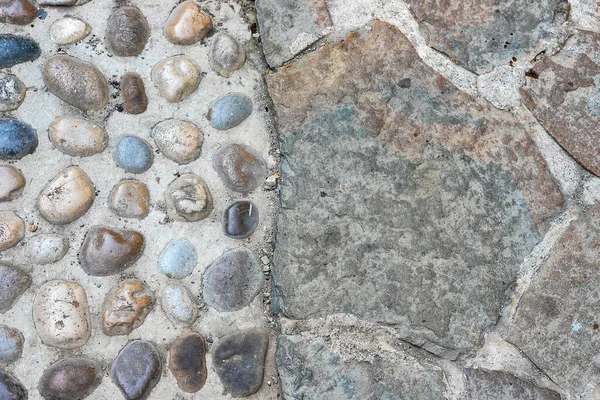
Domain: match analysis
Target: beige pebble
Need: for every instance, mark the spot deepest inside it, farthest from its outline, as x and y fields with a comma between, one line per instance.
x=226, y=54
x=12, y=183
x=77, y=136
x=126, y=307
x=176, y=78
x=187, y=198
x=187, y=24
x=130, y=199
x=12, y=229
x=181, y=141
x=69, y=30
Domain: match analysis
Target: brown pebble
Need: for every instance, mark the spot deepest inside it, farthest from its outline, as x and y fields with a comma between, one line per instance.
x=187, y=24
x=18, y=12
x=108, y=251
x=133, y=93
x=70, y=378
x=130, y=199
x=126, y=307
x=12, y=183
x=187, y=361
x=127, y=32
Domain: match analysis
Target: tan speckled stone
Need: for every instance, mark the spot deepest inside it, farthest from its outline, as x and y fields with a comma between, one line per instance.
x=187, y=24
x=130, y=199
x=12, y=229
x=176, y=78
x=77, y=136
x=126, y=307
x=12, y=183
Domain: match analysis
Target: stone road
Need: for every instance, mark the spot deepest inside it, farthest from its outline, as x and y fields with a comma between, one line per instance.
x=300, y=199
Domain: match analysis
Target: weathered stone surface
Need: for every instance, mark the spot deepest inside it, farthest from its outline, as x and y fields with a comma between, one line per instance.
x=188, y=199
x=133, y=154
x=127, y=32
x=181, y=141
x=179, y=305
x=11, y=388
x=15, y=49
x=440, y=199
x=12, y=183
x=77, y=136
x=65, y=3
x=482, y=385
x=310, y=367
x=11, y=344
x=70, y=378
x=226, y=54
x=60, y=314
x=176, y=78
x=136, y=370
x=287, y=28
x=107, y=251
x=47, y=248
x=12, y=229
x=240, y=219
x=229, y=111
x=18, y=12
x=126, y=307
x=76, y=82
x=178, y=259
x=17, y=139
x=130, y=199
x=67, y=197
x=481, y=34
x=187, y=24
x=12, y=92
x=239, y=167
x=69, y=30
x=133, y=92
x=187, y=361
x=233, y=280
x=239, y=360
x=556, y=324
x=563, y=93
x=14, y=283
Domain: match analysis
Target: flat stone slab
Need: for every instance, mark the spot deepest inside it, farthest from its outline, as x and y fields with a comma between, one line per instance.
x=482, y=34
x=288, y=27
x=557, y=324
x=404, y=200
x=493, y=385
x=563, y=93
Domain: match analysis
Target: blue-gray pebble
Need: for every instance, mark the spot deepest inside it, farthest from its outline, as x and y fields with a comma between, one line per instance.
x=17, y=139
x=178, y=259
x=15, y=49
x=229, y=111
x=240, y=219
x=11, y=344
x=133, y=154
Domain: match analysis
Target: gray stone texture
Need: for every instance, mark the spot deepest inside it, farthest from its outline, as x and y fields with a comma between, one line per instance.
x=404, y=201
x=493, y=385
x=482, y=34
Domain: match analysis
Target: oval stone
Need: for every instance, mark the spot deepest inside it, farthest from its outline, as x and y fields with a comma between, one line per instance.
x=70, y=378
x=178, y=259
x=12, y=229
x=133, y=154
x=14, y=283
x=12, y=92
x=15, y=49
x=17, y=139
x=240, y=219
x=67, y=197
x=233, y=280
x=130, y=199
x=69, y=30
x=187, y=361
x=126, y=307
x=127, y=32
x=11, y=388
x=188, y=199
x=176, y=78
x=239, y=360
x=12, y=183
x=226, y=54
x=77, y=136
x=229, y=111
x=187, y=24
x=181, y=141
x=239, y=168
x=76, y=82
x=11, y=344
x=47, y=248
x=133, y=93
x=60, y=314
x=108, y=251
x=136, y=370
x=179, y=305
x=18, y=12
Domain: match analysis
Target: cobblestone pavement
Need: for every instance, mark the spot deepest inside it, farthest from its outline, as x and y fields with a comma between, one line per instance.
x=300, y=199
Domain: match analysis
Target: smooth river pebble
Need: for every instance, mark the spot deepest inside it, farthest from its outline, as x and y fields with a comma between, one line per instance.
x=133, y=154
x=127, y=32
x=12, y=92
x=180, y=141
x=16, y=49
x=176, y=78
x=187, y=24
x=226, y=54
x=126, y=307
x=18, y=12
x=17, y=139
x=70, y=378
x=130, y=199
x=136, y=370
x=69, y=30
x=12, y=183
x=108, y=251
x=11, y=388
x=12, y=229
x=178, y=259
x=179, y=305
x=239, y=167
x=187, y=361
x=77, y=136
x=187, y=198
x=67, y=197
x=14, y=282
x=11, y=344
x=133, y=92
x=47, y=248
x=229, y=111
x=240, y=219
